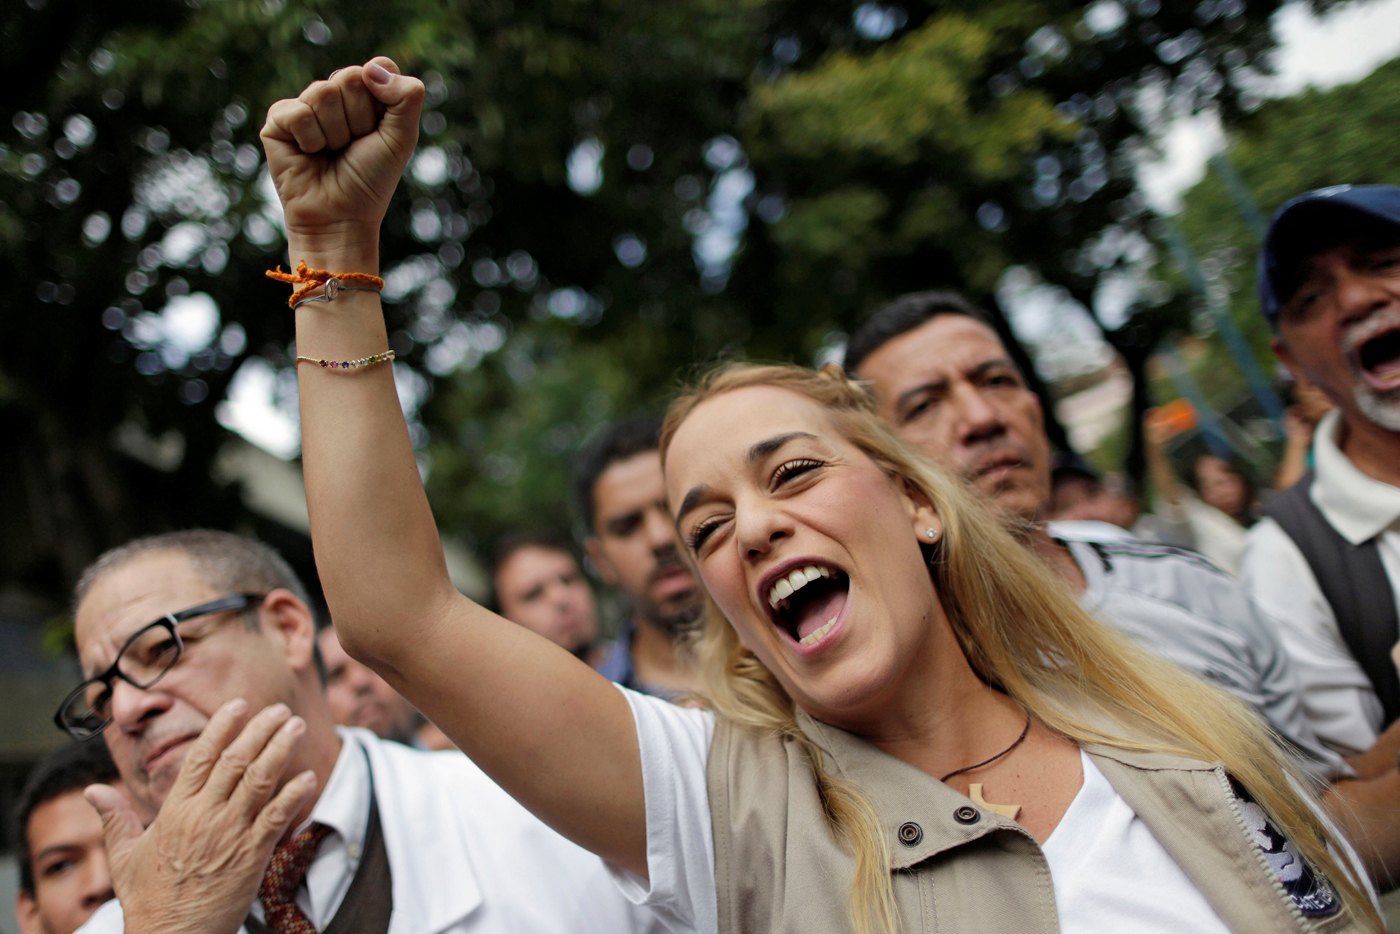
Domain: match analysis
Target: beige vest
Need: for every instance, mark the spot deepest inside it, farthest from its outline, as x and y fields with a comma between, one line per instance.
x=958, y=869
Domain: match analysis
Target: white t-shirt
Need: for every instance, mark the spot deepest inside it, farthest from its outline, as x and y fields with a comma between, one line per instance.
x=1108, y=871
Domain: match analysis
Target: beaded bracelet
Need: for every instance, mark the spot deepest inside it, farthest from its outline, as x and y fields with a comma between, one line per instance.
x=334, y=283
x=349, y=364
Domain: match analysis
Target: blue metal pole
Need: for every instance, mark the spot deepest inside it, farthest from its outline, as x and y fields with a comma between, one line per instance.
x=1239, y=193
x=1234, y=340
x=1211, y=428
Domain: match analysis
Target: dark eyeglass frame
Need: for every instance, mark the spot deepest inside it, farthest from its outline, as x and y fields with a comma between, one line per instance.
x=84, y=728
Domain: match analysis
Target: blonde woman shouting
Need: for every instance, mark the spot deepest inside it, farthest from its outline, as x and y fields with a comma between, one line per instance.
x=910, y=727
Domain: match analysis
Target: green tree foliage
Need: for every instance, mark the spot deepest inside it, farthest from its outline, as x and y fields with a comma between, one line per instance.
x=605, y=194
x=1316, y=139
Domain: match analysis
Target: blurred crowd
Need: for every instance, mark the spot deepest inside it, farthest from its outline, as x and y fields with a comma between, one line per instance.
x=1283, y=593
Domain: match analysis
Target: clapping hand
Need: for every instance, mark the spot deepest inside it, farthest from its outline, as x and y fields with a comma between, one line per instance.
x=197, y=867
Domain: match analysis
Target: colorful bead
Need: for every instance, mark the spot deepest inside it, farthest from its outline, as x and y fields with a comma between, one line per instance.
x=349, y=364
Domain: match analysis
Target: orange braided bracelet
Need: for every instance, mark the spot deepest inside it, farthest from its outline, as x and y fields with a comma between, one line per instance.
x=334, y=283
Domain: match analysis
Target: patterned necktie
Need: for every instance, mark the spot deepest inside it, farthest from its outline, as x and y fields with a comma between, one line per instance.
x=284, y=876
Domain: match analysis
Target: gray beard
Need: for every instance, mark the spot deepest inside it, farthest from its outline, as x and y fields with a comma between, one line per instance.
x=1382, y=408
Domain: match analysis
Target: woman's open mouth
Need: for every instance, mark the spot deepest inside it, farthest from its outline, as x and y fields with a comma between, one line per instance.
x=806, y=602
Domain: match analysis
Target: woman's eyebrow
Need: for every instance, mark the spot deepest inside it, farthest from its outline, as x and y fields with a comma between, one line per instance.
x=763, y=448
x=692, y=499
x=758, y=452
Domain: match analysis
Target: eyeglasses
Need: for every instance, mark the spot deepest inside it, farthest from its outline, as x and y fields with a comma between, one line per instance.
x=142, y=661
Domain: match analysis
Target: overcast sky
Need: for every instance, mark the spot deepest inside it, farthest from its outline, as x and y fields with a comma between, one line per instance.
x=1345, y=45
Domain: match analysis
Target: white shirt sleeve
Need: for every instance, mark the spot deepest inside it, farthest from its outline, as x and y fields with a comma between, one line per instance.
x=1337, y=696
x=675, y=748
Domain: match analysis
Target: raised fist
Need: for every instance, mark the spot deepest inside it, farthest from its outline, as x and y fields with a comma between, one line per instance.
x=337, y=151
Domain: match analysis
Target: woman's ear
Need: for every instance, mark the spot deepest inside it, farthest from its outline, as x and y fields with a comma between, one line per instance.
x=927, y=523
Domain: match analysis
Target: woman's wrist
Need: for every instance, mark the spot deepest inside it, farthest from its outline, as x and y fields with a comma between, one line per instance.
x=341, y=248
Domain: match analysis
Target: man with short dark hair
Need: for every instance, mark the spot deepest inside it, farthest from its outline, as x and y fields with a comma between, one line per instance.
x=539, y=585
x=63, y=876
x=943, y=378
x=620, y=497
x=262, y=815
x=949, y=388
x=1325, y=562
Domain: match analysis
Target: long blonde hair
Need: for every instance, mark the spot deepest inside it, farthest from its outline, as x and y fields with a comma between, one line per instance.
x=1021, y=630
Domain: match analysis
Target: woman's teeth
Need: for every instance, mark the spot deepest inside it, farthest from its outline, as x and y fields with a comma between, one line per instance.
x=813, y=637
x=794, y=582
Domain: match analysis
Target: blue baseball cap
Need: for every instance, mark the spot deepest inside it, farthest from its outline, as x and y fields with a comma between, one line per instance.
x=1294, y=233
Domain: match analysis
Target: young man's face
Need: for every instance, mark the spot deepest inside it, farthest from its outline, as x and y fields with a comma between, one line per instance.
x=635, y=546
x=544, y=590
x=1341, y=328
x=71, y=879
x=950, y=389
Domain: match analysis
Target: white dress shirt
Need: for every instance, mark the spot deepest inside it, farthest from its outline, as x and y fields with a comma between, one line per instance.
x=343, y=807
x=465, y=858
x=1337, y=695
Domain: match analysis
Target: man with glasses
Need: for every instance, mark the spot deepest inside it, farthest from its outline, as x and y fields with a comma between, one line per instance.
x=252, y=811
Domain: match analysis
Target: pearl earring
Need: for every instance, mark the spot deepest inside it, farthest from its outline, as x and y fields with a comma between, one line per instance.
x=932, y=534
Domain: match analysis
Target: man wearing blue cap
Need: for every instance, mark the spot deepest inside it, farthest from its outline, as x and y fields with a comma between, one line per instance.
x=1326, y=561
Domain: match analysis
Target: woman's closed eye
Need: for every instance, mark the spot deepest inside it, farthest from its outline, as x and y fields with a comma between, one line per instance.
x=700, y=533
x=790, y=470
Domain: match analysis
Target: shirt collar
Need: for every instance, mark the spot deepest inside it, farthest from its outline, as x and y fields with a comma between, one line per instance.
x=902, y=795
x=344, y=804
x=617, y=662
x=616, y=666
x=1357, y=506
x=920, y=815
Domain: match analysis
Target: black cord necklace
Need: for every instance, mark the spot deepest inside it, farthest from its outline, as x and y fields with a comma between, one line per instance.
x=1004, y=752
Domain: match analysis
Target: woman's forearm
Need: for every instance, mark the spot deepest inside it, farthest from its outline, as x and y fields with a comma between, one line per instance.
x=547, y=728
x=377, y=547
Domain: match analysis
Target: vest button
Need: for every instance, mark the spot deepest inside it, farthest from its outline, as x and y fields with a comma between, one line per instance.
x=967, y=815
x=910, y=834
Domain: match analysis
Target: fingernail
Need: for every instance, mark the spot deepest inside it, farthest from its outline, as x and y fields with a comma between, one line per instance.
x=236, y=706
x=279, y=711
x=295, y=725
x=378, y=73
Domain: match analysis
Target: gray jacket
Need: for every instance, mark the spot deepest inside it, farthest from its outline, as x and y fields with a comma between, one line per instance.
x=1186, y=610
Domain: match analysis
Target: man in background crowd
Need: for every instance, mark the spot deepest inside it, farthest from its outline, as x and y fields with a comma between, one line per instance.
x=1207, y=512
x=1326, y=560
x=539, y=585
x=620, y=496
x=942, y=377
x=63, y=875
x=1307, y=407
x=357, y=696
x=199, y=649
x=1079, y=494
